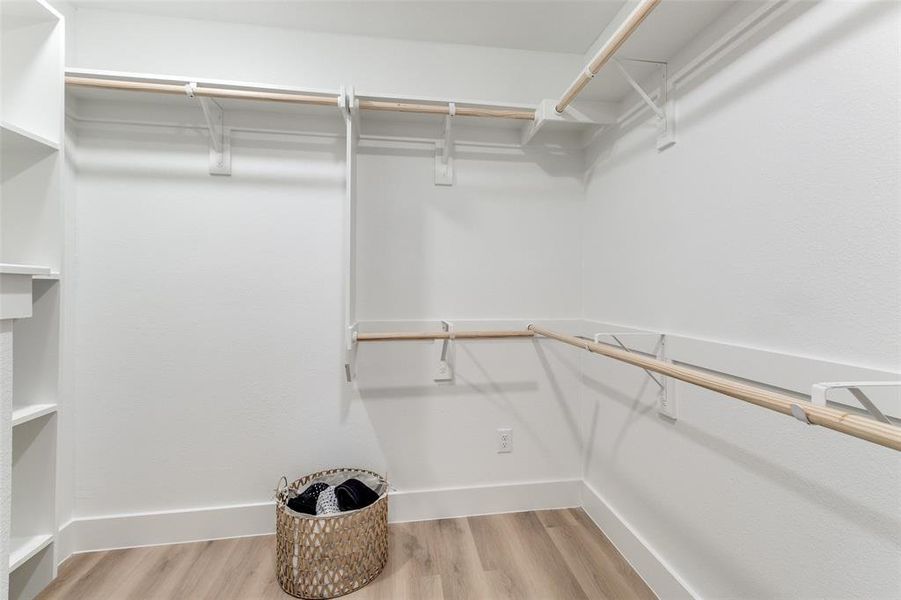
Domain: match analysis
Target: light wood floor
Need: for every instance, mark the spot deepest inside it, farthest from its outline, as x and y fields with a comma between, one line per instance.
x=547, y=555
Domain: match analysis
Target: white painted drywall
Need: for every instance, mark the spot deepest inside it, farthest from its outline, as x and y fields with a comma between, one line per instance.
x=495, y=245
x=444, y=435
x=207, y=317
x=200, y=377
x=773, y=223
x=208, y=333
x=207, y=321
x=216, y=50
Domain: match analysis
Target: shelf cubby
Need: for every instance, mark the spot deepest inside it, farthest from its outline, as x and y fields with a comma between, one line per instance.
x=30, y=214
x=33, y=506
x=31, y=57
x=36, y=351
x=31, y=566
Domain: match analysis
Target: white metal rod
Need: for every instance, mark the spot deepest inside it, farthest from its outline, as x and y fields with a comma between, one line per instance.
x=430, y=142
x=607, y=51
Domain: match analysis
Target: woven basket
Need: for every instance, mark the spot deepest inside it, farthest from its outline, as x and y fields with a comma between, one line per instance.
x=330, y=555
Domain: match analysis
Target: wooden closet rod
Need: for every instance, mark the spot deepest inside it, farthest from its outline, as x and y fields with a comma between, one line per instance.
x=440, y=335
x=607, y=51
x=322, y=100
x=443, y=109
x=209, y=92
x=844, y=422
x=825, y=416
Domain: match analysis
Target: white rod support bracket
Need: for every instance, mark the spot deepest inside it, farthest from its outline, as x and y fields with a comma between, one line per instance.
x=350, y=353
x=798, y=413
x=640, y=90
x=444, y=162
x=666, y=127
x=343, y=104
x=353, y=106
x=445, y=370
x=220, y=142
x=346, y=104
x=666, y=397
x=819, y=391
x=664, y=108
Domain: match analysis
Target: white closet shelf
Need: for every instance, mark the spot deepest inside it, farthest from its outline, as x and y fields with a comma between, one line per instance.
x=51, y=276
x=16, y=290
x=22, y=549
x=17, y=269
x=33, y=11
x=23, y=414
x=17, y=139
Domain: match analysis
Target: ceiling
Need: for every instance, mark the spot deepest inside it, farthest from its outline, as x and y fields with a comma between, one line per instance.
x=548, y=25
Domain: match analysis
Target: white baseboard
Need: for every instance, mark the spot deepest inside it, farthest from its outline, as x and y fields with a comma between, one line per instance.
x=168, y=527
x=192, y=525
x=655, y=571
x=445, y=503
x=64, y=546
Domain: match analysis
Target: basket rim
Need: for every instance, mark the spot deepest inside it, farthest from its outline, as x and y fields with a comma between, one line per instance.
x=282, y=503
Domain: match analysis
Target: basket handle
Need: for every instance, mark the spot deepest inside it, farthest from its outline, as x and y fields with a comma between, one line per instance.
x=279, y=487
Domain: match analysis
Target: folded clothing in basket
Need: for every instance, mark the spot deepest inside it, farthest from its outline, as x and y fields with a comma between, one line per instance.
x=305, y=502
x=353, y=494
x=332, y=493
x=326, y=504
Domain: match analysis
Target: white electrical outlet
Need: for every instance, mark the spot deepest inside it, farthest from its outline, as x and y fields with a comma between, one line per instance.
x=504, y=440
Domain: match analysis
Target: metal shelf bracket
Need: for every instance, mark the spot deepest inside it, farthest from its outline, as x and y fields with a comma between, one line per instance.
x=444, y=161
x=663, y=107
x=220, y=140
x=350, y=352
x=666, y=397
x=445, y=371
x=819, y=391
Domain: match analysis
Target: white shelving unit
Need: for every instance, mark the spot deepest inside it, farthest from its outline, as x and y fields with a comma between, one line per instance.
x=22, y=549
x=31, y=252
x=24, y=414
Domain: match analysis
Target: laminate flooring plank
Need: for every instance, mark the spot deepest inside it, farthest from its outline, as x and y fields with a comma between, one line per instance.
x=546, y=555
x=600, y=568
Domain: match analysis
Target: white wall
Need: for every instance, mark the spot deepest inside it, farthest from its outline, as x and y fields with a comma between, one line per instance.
x=495, y=245
x=216, y=50
x=199, y=377
x=775, y=218
x=207, y=311
x=196, y=356
x=774, y=223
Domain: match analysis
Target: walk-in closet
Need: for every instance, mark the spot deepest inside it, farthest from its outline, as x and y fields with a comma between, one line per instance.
x=450, y=300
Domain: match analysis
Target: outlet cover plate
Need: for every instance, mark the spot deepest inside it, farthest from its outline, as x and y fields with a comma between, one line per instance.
x=504, y=440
